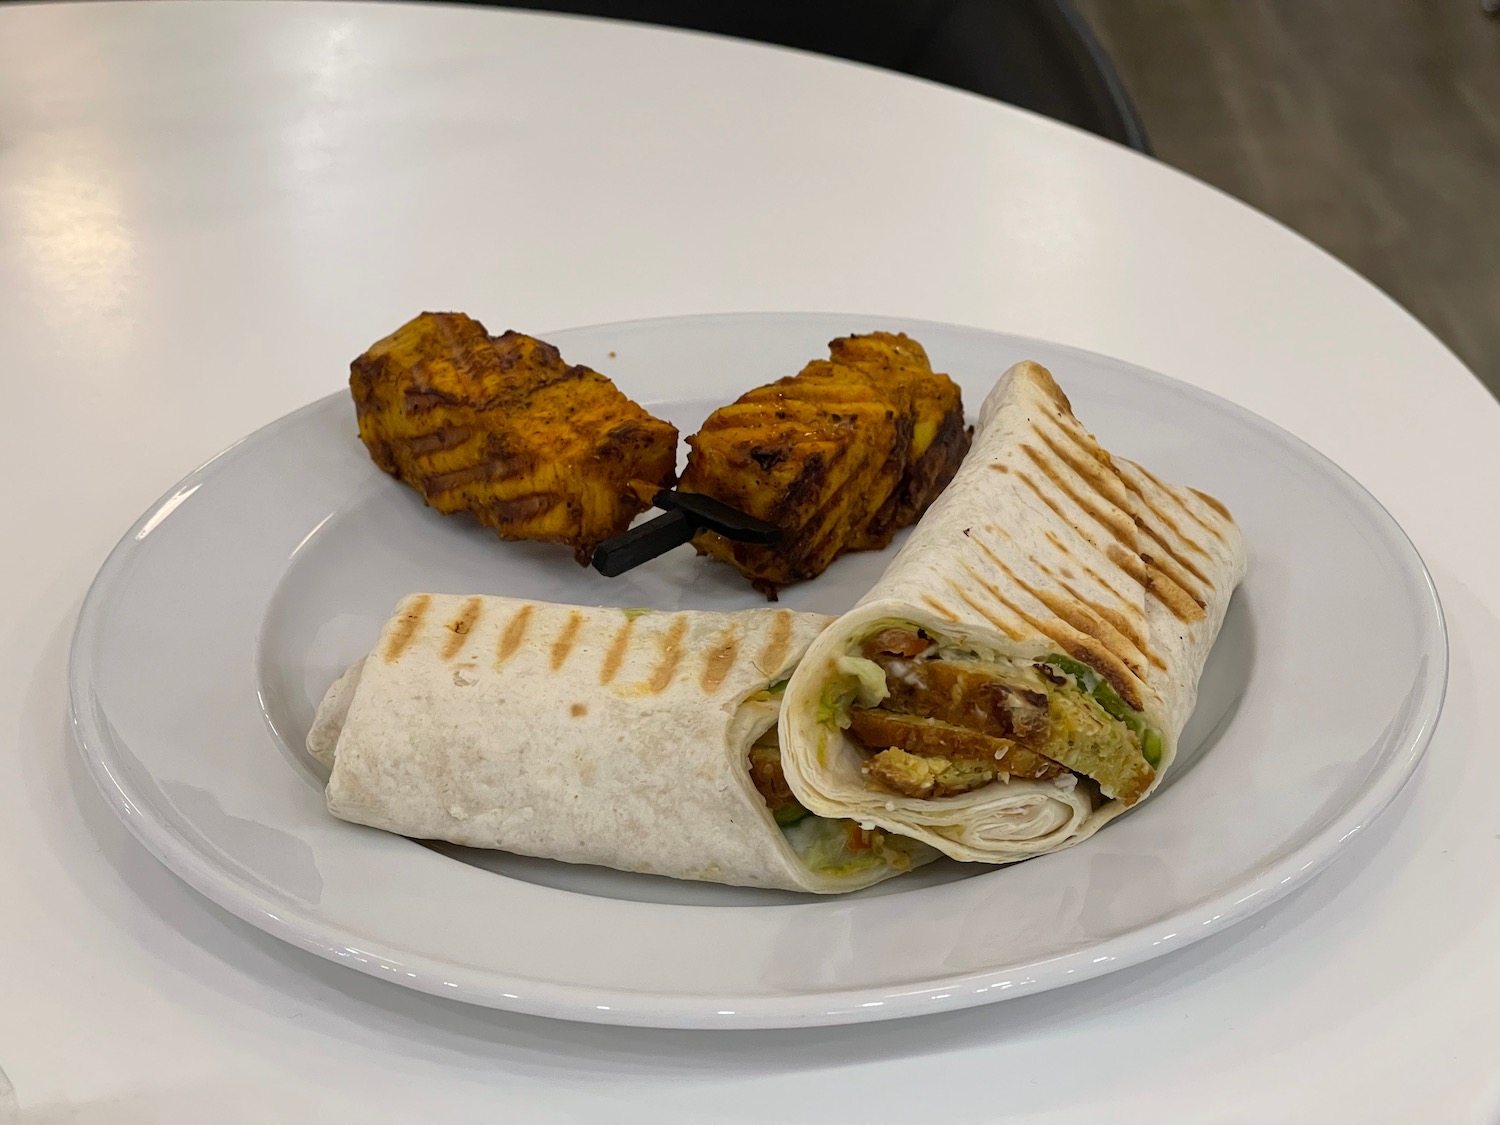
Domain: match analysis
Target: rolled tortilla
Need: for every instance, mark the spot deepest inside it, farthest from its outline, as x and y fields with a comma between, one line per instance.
x=1043, y=546
x=602, y=736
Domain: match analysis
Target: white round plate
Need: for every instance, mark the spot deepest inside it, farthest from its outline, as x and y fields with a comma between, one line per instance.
x=216, y=624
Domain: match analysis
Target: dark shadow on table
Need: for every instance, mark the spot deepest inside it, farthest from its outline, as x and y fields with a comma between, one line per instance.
x=1036, y=54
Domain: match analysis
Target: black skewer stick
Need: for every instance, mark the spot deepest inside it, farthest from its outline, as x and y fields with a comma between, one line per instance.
x=684, y=514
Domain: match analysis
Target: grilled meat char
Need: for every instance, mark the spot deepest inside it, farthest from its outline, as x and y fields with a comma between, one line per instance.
x=501, y=427
x=839, y=456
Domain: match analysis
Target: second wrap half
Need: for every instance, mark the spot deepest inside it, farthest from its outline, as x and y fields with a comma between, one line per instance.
x=1022, y=671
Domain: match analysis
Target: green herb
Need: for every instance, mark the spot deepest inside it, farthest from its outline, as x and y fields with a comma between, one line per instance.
x=1093, y=684
x=1151, y=748
x=632, y=614
x=789, y=814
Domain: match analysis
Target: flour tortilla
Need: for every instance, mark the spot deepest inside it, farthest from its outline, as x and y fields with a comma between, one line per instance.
x=602, y=736
x=1042, y=544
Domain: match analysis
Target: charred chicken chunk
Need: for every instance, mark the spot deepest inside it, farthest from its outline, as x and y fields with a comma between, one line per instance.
x=501, y=427
x=839, y=456
x=939, y=440
x=913, y=776
x=930, y=738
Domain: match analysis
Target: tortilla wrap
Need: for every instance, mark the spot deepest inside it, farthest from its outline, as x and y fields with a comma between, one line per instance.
x=1043, y=545
x=589, y=735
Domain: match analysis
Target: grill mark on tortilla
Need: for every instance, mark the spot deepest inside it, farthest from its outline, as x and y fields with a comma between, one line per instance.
x=939, y=608
x=1043, y=382
x=671, y=654
x=1077, y=615
x=1097, y=472
x=1195, y=517
x=406, y=629
x=773, y=656
x=1180, y=562
x=1212, y=503
x=1047, y=500
x=616, y=654
x=461, y=626
x=718, y=662
x=510, y=640
x=1083, y=458
x=1101, y=474
x=1158, y=584
x=1184, y=564
x=1192, y=515
x=999, y=468
x=1090, y=624
x=1076, y=644
x=1122, y=527
x=1125, y=553
x=564, y=643
x=1171, y=524
x=1090, y=571
x=578, y=710
x=1088, y=638
x=1127, y=628
x=979, y=609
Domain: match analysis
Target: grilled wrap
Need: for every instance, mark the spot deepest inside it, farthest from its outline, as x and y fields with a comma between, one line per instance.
x=1022, y=671
x=642, y=741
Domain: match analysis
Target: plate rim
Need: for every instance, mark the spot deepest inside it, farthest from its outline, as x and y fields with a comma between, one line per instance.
x=629, y=1007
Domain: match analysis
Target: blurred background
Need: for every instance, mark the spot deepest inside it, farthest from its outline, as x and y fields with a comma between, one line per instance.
x=1370, y=126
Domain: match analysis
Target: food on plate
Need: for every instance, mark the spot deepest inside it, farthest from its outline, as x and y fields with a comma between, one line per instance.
x=1020, y=674
x=501, y=427
x=639, y=740
x=840, y=456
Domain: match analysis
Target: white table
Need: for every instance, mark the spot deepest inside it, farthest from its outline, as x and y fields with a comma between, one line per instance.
x=206, y=210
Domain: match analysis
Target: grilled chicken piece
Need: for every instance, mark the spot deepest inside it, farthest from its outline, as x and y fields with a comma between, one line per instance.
x=899, y=772
x=967, y=694
x=1007, y=718
x=930, y=738
x=939, y=438
x=500, y=426
x=815, y=456
x=839, y=456
x=766, y=774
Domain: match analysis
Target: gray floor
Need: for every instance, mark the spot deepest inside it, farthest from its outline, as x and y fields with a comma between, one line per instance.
x=1370, y=126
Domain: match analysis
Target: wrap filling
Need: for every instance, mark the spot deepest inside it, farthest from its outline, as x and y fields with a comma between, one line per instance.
x=825, y=845
x=937, y=720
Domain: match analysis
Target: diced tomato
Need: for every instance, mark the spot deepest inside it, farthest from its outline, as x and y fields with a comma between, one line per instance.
x=859, y=839
x=898, y=642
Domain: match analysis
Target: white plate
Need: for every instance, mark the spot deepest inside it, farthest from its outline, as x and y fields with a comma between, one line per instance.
x=219, y=620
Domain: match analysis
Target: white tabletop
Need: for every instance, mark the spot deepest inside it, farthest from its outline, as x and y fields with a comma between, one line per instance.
x=205, y=211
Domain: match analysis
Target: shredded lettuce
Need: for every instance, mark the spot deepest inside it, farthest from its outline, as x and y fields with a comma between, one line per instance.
x=770, y=693
x=632, y=614
x=823, y=846
x=870, y=686
x=859, y=681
